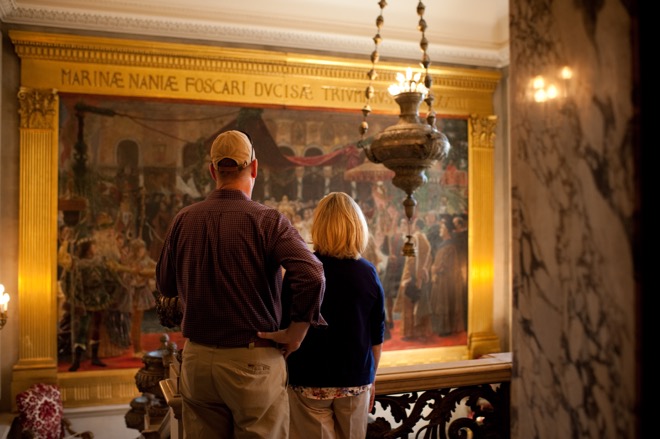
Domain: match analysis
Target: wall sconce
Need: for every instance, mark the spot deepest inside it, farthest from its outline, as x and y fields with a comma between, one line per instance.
x=544, y=89
x=412, y=145
x=4, y=299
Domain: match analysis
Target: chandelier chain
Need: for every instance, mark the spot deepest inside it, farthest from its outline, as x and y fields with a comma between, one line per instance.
x=425, y=63
x=372, y=74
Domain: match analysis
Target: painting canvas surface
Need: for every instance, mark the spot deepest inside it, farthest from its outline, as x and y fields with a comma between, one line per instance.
x=126, y=166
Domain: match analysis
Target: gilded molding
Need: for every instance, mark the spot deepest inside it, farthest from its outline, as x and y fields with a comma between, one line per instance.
x=133, y=53
x=37, y=108
x=80, y=389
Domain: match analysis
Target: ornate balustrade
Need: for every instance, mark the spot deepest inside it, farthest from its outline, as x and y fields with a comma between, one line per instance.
x=448, y=400
x=462, y=399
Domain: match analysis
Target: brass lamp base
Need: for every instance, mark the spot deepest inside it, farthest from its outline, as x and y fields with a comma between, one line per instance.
x=3, y=319
x=409, y=148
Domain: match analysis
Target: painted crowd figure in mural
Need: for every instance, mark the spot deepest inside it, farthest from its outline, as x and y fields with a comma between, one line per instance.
x=142, y=285
x=89, y=282
x=447, y=289
x=132, y=180
x=414, y=308
x=393, y=242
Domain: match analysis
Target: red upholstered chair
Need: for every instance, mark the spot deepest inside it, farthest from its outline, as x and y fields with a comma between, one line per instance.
x=41, y=415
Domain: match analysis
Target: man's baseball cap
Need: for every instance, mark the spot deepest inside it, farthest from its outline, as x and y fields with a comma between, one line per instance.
x=235, y=145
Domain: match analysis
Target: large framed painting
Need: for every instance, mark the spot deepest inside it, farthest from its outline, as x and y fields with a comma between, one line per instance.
x=120, y=131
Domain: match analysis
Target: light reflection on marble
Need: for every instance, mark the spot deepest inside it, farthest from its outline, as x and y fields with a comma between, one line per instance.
x=573, y=324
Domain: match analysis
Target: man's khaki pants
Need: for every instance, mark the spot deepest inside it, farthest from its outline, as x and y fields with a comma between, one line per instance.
x=234, y=393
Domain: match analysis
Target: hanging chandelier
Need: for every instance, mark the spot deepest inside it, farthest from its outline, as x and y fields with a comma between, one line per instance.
x=412, y=145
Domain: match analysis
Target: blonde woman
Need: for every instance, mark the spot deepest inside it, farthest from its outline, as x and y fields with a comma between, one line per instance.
x=331, y=375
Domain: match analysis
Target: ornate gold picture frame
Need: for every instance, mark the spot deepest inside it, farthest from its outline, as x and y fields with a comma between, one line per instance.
x=53, y=65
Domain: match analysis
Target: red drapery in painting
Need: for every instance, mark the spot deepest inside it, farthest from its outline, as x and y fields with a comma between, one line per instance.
x=350, y=154
x=249, y=120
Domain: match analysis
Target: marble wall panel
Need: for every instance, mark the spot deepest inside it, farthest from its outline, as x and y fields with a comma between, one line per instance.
x=573, y=316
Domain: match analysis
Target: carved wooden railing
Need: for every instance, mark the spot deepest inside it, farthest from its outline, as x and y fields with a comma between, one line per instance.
x=447, y=400
x=464, y=399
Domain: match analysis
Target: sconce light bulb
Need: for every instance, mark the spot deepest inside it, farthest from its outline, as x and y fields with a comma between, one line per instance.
x=552, y=92
x=566, y=72
x=538, y=82
x=4, y=299
x=540, y=96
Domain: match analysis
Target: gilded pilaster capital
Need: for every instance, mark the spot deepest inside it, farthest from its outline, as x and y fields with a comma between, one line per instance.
x=482, y=131
x=38, y=108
